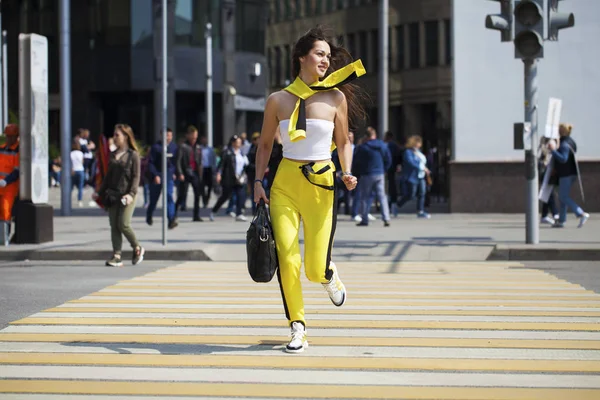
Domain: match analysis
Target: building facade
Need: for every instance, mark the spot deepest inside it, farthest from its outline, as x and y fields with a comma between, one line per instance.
x=115, y=55
x=420, y=77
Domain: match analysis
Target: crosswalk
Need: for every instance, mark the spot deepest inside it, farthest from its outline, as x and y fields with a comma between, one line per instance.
x=417, y=330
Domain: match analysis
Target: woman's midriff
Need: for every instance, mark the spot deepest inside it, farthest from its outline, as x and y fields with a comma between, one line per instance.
x=307, y=161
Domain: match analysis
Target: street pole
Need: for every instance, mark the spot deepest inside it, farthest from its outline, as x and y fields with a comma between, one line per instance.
x=3, y=121
x=532, y=235
x=383, y=99
x=65, y=106
x=209, y=85
x=5, y=77
x=164, y=121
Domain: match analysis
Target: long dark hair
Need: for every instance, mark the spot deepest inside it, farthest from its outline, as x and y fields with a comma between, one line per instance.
x=340, y=57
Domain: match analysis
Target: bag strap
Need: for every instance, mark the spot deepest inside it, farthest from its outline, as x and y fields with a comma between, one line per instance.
x=307, y=169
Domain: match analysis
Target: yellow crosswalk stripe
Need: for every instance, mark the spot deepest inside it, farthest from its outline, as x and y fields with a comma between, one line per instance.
x=339, y=311
x=538, y=326
x=314, y=340
x=288, y=391
x=336, y=363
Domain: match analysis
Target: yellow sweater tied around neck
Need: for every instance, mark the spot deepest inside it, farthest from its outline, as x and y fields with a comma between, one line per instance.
x=297, y=126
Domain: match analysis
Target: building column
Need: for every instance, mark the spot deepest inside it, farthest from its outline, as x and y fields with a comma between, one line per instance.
x=157, y=36
x=442, y=42
x=422, y=45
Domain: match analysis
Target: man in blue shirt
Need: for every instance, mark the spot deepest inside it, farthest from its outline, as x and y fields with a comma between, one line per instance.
x=372, y=160
x=155, y=178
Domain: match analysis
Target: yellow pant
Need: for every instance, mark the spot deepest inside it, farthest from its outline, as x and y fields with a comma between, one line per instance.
x=294, y=198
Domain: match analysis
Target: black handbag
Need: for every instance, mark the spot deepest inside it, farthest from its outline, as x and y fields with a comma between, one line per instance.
x=260, y=246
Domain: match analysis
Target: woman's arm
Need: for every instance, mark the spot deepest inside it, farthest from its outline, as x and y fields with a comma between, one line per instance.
x=265, y=146
x=342, y=141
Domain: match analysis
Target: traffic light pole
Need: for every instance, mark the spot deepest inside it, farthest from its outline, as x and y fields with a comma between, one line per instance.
x=532, y=233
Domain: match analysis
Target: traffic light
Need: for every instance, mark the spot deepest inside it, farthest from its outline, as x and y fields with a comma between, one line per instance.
x=501, y=22
x=557, y=20
x=529, y=29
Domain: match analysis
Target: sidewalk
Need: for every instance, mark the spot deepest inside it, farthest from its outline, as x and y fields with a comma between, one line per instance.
x=445, y=237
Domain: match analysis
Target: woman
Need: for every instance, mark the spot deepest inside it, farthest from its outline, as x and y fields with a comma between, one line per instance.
x=567, y=171
x=231, y=175
x=118, y=192
x=77, y=169
x=309, y=118
x=544, y=162
x=414, y=172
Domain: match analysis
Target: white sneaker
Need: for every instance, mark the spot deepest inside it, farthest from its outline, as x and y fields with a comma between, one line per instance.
x=335, y=288
x=358, y=219
x=241, y=217
x=211, y=216
x=547, y=220
x=232, y=214
x=372, y=218
x=298, y=342
x=583, y=219
x=80, y=203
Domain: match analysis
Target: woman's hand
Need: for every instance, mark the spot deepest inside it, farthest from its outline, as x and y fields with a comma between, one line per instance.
x=218, y=178
x=552, y=145
x=350, y=181
x=128, y=199
x=259, y=193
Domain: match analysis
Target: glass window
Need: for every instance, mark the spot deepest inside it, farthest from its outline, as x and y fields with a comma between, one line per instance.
x=318, y=7
x=400, y=47
x=308, y=8
x=287, y=73
x=250, y=25
x=375, y=50
x=350, y=45
x=298, y=8
x=110, y=23
x=448, y=41
x=329, y=5
x=277, y=66
x=413, y=37
x=432, y=43
x=363, y=49
x=287, y=10
x=141, y=24
x=341, y=4
x=277, y=10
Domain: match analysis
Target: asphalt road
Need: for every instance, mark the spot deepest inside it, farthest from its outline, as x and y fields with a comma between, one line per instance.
x=30, y=287
x=27, y=287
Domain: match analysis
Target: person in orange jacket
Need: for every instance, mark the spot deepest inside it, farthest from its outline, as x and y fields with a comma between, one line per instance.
x=9, y=172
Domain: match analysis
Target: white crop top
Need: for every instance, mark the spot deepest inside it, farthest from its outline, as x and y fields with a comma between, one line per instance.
x=315, y=146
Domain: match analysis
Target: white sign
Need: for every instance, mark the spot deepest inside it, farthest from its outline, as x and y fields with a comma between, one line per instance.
x=527, y=136
x=33, y=117
x=553, y=118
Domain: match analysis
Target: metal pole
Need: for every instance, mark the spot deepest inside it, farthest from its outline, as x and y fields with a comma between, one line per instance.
x=209, y=85
x=5, y=118
x=3, y=122
x=65, y=107
x=383, y=99
x=532, y=235
x=164, y=121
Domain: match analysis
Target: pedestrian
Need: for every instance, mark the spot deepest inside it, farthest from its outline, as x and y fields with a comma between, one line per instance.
x=9, y=171
x=568, y=172
x=118, y=192
x=209, y=169
x=155, y=174
x=414, y=174
x=546, y=162
x=375, y=159
x=77, y=169
x=231, y=175
x=310, y=119
x=189, y=169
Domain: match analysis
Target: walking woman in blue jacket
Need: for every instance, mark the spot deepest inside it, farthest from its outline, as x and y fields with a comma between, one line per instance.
x=567, y=171
x=414, y=172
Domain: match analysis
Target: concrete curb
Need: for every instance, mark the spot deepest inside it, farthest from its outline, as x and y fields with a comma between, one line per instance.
x=94, y=255
x=544, y=253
